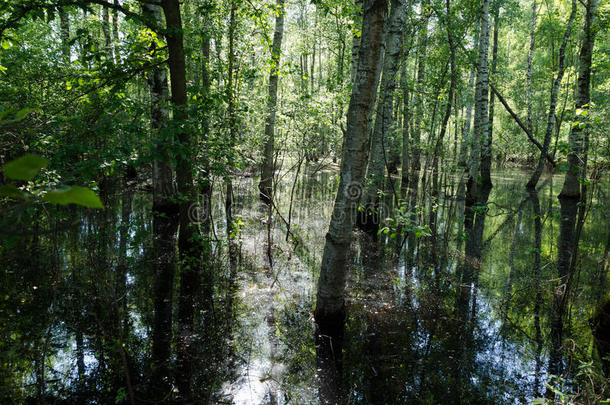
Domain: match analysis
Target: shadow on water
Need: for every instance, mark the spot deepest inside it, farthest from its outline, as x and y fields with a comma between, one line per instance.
x=460, y=314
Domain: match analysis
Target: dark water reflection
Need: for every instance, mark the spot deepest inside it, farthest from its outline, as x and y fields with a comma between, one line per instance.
x=426, y=323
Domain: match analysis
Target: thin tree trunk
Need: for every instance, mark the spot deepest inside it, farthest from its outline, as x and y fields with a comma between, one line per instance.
x=486, y=158
x=466, y=136
x=422, y=43
x=520, y=123
x=439, y=141
x=553, y=102
x=106, y=30
x=115, y=30
x=64, y=27
x=406, y=122
x=530, y=58
x=266, y=183
x=330, y=305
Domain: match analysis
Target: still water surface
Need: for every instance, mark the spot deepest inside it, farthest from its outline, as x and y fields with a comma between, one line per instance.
x=409, y=337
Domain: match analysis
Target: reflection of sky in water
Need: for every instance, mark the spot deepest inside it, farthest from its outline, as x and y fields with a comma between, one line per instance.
x=504, y=363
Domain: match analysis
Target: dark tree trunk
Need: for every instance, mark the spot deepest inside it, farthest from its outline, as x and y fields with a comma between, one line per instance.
x=165, y=226
x=189, y=245
x=486, y=158
x=571, y=193
x=266, y=183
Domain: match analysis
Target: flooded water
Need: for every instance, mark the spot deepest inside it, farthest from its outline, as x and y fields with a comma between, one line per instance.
x=77, y=312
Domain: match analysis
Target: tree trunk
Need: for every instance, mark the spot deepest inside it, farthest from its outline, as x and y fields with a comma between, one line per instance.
x=355, y=41
x=481, y=146
x=422, y=43
x=64, y=27
x=165, y=223
x=481, y=122
x=368, y=220
x=570, y=192
x=406, y=122
x=107, y=37
x=486, y=159
x=530, y=58
x=439, y=141
x=465, y=143
x=550, y=121
x=330, y=306
x=266, y=183
x=189, y=245
x=115, y=30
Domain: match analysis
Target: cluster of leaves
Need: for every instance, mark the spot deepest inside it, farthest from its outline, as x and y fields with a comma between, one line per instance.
x=26, y=168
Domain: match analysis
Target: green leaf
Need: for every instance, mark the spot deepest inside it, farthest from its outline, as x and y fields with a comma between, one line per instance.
x=19, y=115
x=10, y=190
x=74, y=195
x=25, y=167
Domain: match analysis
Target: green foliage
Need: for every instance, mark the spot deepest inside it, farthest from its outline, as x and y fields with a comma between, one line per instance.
x=27, y=167
x=73, y=195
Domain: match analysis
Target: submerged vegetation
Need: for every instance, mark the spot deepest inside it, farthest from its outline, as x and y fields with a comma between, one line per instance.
x=293, y=201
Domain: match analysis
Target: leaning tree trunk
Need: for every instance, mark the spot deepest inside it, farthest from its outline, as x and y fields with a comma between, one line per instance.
x=368, y=220
x=189, y=246
x=570, y=192
x=330, y=305
x=165, y=223
x=266, y=183
x=550, y=121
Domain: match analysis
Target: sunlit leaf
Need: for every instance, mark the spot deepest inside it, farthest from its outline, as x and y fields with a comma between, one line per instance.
x=25, y=167
x=74, y=195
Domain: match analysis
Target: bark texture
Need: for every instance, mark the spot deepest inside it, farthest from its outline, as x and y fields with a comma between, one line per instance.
x=330, y=306
x=384, y=122
x=480, y=145
x=487, y=142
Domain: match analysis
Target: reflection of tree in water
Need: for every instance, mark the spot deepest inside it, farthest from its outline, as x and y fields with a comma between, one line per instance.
x=411, y=335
